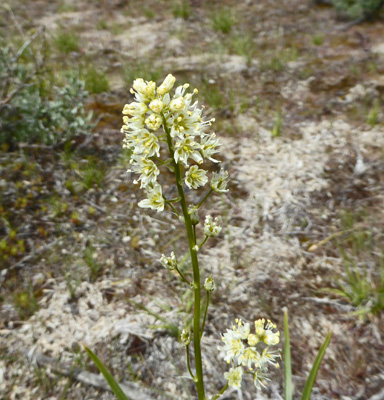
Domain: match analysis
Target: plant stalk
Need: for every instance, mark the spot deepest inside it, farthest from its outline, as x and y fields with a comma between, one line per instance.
x=195, y=267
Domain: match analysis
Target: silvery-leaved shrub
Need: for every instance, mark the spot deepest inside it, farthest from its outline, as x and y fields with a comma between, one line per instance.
x=30, y=112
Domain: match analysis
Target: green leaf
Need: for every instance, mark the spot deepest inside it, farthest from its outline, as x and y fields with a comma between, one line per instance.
x=116, y=389
x=287, y=361
x=315, y=368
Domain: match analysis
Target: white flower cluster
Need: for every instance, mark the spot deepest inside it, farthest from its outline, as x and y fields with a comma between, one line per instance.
x=182, y=130
x=252, y=350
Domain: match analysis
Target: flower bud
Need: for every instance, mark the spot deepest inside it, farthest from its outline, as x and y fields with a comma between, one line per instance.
x=167, y=85
x=177, y=105
x=209, y=284
x=153, y=122
x=194, y=213
x=156, y=106
x=185, y=337
x=145, y=88
x=135, y=109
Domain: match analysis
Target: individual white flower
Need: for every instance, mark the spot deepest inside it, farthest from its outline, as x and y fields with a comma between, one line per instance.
x=156, y=106
x=269, y=357
x=153, y=122
x=265, y=332
x=185, y=337
x=177, y=105
x=135, y=109
x=187, y=148
x=133, y=123
x=233, y=346
x=147, y=168
x=183, y=125
x=169, y=262
x=243, y=329
x=234, y=377
x=209, y=284
x=195, y=177
x=167, y=85
x=155, y=199
x=271, y=338
x=211, y=229
x=209, y=145
x=219, y=181
x=144, y=143
x=250, y=358
x=260, y=379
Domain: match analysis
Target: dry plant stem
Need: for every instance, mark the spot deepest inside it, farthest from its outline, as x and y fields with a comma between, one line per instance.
x=196, y=272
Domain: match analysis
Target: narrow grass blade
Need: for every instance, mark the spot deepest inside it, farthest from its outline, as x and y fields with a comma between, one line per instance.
x=315, y=368
x=116, y=389
x=287, y=361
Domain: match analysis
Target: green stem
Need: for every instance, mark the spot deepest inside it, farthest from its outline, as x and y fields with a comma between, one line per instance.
x=171, y=206
x=203, y=242
x=221, y=392
x=205, y=198
x=196, y=272
x=182, y=276
x=205, y=315
x=189, y=365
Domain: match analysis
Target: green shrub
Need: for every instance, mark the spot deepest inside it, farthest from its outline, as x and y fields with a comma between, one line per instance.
x=33, y=109
x=359, y=8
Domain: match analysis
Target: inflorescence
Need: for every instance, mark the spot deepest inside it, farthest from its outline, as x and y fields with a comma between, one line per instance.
x=250, y=353
x=146, y=122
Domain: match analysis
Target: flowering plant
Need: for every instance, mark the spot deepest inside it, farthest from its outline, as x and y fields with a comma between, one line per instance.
x=168, y=131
